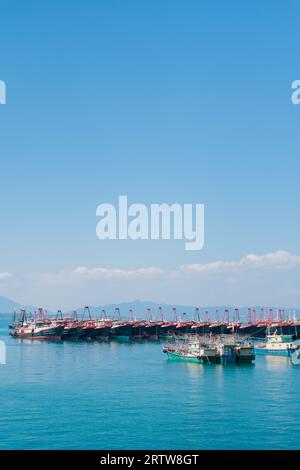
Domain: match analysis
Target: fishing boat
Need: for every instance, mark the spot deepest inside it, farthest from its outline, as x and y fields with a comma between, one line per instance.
x=276, y=344
x=137, y=326
x=153, y=329
x=218, y=326
x=87, y=325
x=102, y=327
x=120, y=329
x=38, y=331
x=38, y=328
x=223, y=349
x=182, y=355
x=72, y=328
x=168, y=328
x=193, y=350
x=138, y=329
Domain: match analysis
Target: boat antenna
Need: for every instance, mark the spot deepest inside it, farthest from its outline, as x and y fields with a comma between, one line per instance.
x=23, y=316
x=149, y=314
x=130, y=315
x=270, y=314
x=87, y=309
x=74, y=315
x=174, y=314
x=236, y=315
x=160, y=313
x=117, y=314
x=59, y=315
x=226, y=315
x=207, y=316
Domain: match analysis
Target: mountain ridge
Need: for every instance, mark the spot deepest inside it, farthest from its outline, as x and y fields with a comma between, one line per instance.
x=140, y=307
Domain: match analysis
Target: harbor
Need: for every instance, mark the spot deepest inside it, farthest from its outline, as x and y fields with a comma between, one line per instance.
x=89, y=391
x=186, y=340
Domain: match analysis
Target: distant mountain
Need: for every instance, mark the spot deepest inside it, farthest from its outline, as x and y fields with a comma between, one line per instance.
x=140, y=307
x=140, y=310
x=8, y=306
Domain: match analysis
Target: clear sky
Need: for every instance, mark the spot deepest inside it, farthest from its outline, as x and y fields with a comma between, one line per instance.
x=164, y=101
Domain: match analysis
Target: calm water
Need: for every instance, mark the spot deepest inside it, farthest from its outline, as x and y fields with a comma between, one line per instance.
x=128, y=396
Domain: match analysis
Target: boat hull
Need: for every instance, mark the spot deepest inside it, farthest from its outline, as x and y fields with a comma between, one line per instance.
x=173, y=356
x=153, y=331
x=102, y=333
x=54, y=333
x=273, y=352
x=122, y=331
x=87, y=333
x=72, y=332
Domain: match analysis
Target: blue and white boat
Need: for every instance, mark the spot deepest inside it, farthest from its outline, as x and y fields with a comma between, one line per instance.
x=280, y=345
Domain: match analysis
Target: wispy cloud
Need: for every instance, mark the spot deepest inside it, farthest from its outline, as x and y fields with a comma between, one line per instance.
x=267, y=279
x=4, y=276
x=277, y=259
x=86, y=274
x=106, y=273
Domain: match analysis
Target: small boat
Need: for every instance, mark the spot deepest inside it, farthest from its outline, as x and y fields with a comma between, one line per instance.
x=281, y=345
x=223, y=349
x=182, y=355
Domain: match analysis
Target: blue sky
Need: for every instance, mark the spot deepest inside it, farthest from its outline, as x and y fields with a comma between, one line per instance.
x=165, y=101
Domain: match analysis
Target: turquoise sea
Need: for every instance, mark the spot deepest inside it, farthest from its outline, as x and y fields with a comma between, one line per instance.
x=81, y=395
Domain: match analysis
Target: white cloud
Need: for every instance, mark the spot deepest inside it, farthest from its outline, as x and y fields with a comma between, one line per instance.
x=4, y=276
x=277, y=259
x=268, y=279
x=106, y=273
x=85, y=274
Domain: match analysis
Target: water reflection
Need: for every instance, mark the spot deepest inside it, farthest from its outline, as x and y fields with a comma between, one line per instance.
x=276, y=362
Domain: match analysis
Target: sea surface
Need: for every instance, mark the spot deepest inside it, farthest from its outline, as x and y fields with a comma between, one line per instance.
x=91, y=395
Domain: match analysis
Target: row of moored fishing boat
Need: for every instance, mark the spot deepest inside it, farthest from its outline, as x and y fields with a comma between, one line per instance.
x=41, y=326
